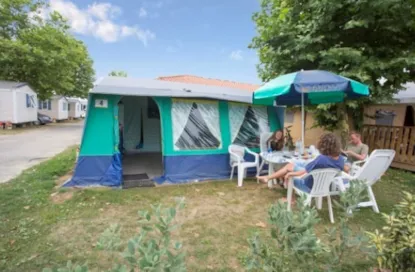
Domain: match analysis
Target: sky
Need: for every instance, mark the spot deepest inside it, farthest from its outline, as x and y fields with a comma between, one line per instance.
x=152, y=38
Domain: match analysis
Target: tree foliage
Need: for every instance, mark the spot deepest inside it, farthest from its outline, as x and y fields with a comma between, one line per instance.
x=363, y=40
x=41, y=51
x=118, y=73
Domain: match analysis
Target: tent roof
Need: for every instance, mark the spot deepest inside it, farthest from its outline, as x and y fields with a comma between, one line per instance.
x=210, y=82
x=9, y=85
x=152, y=87
x=407, y=95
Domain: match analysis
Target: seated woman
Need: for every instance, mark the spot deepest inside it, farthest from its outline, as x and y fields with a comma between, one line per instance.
x=329, y=148
x=276, y=141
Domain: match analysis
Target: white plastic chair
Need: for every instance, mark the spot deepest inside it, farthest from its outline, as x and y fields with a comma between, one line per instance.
x=237, y=153
x=264, y=146
x=322, y=180
x=357, y=165
x=371, y=171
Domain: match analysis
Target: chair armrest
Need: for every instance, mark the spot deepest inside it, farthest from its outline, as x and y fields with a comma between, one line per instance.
x=346, y=176
x=239, y=159
x=357, y=163
x=306, y=175
x=253, y=153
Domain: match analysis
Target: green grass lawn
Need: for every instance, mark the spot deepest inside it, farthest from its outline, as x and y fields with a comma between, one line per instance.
x=42, y=226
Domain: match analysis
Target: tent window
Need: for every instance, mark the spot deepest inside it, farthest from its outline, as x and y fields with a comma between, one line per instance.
x=247, y=124
x=196, y=125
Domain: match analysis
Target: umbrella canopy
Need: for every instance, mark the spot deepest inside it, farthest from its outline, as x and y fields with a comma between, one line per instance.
x=308, y=87
x=316, y=87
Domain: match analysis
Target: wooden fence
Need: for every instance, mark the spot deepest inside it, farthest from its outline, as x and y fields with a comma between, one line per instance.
x=400, y=139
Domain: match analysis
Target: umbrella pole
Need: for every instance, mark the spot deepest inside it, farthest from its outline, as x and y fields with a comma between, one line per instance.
x=302, y=122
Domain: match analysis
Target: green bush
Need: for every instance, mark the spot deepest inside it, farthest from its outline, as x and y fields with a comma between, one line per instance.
x=151, y=250
x=395, y=245
x=295, y=245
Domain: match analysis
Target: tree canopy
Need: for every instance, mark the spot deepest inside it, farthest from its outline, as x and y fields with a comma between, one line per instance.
x=363, y=40
x=118, y=73
x=40, y=50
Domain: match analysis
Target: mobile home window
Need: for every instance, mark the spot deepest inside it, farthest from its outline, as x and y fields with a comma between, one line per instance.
x=45, y=105
x=30, y=101
x=384, y=118
x=247, y=124
x=65, y=106
x=195, y=125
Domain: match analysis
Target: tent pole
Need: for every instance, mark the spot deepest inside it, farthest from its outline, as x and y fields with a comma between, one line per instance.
x=302, y=121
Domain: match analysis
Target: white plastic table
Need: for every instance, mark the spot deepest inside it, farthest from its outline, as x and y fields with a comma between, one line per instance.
x=280, y=157
x=273, y=159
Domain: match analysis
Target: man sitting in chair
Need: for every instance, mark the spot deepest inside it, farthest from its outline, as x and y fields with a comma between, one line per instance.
x=355, y=150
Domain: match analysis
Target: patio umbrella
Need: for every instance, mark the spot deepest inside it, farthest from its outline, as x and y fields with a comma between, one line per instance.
x=308, y=87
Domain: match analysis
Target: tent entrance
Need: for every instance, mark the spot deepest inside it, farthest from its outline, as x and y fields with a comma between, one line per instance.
x=141, y=138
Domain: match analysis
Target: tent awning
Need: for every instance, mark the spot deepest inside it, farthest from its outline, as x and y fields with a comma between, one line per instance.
x=151, y=87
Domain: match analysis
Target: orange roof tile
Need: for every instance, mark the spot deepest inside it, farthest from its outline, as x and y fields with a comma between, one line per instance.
x=210, y=81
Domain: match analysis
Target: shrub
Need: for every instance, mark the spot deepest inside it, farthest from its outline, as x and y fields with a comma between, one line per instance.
x=151, y=250
x=395, y=245
x=295, y=245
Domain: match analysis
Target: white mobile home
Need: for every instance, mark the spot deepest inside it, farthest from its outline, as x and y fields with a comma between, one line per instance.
x=17, y=103
x=74, y=108
x=84, y=103
x=55, y=107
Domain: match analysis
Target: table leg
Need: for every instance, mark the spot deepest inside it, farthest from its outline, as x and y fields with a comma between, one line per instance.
x=270, y=168
x=289, y=193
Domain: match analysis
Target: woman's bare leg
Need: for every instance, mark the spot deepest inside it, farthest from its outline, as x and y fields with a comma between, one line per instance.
x=279, y=174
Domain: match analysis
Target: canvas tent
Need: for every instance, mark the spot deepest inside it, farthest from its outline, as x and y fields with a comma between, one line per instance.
x=190, y=126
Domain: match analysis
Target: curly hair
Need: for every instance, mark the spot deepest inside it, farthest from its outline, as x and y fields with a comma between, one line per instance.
x=329, y=145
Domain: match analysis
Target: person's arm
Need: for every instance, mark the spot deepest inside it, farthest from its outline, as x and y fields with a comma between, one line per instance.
x=346, y=168
x=359, y=157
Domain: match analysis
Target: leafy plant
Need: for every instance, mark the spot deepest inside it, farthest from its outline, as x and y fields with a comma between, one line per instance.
x=151, y=250
x=395, y=245
x=296, y=246
x=110, y=239
x=68, y=268
x=289, y=142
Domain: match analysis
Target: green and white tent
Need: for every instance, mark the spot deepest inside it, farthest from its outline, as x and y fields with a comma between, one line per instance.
x=186, y=127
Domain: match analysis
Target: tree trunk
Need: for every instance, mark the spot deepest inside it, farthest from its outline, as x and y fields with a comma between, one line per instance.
x=343, y=124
